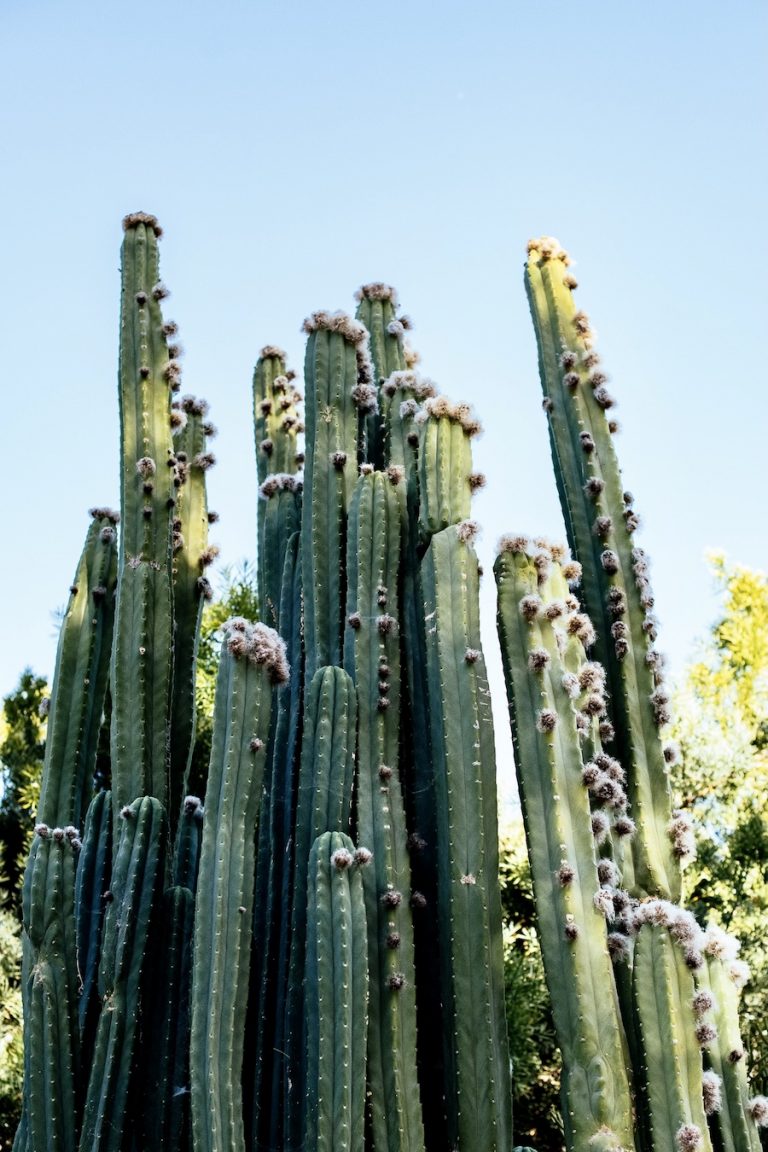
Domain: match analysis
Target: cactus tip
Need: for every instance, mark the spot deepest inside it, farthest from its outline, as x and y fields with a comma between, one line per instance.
x=134, y=219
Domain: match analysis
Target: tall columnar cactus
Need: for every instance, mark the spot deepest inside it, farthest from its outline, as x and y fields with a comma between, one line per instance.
x=277, y=425
x=656, y=946
x=80, y=679
x=141, y=672
x=253, y=659
x=52, y=1072
x=537, y=629
x=336, y=996
x=474, y=1031
x=601, y=522
x=136, y=881
x=191, y=555
x=339, y=395
x=372, y=657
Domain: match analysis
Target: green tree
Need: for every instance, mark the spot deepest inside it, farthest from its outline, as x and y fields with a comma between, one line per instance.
x=721, y=725
x=11, y=1045
x=22, y=747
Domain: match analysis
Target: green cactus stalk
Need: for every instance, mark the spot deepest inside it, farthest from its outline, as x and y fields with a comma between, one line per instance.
x=92, y=881
x=165, y=1092
x=80, y=679
x=136, y=879
x=252, y=661
x=141, y=670
x=337, y=973
x=52, y=1069
x=601, y=522
x=726, y=1089
x=191, y=556
x=276, y=425
x=664, y=992
x=376, y=311
x=445, y=464
x=280, y=507
x=475, y=1042
x=372, y=657
x=536, y=631
x=323, y=804
x=339, y=397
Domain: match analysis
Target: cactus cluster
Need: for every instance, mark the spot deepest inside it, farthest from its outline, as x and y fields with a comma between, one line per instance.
x=652, y=1059
x=309, y=957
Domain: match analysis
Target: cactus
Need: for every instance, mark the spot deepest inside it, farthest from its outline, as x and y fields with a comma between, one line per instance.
x=136, y=879
x=535, y=631
x=336, y=997
x=253, y=659
x=246, y=983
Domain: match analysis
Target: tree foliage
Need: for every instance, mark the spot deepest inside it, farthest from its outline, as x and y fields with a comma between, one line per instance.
x=22, y=747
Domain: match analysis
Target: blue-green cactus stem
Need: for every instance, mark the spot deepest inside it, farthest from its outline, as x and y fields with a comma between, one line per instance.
x=136, y=878
x=402, y=393
x=276, y=403
x=477, y=1084
x=601, y=523
x=280, y=495
x=336, y=982
x=326, y=776
x=372, y=657
x=376, y=309
x=191, y=556
x=571, y=901
x=50, y=988
x=445, y=464
x=276, y=427
x=92, y=881
x=339, y=397
x=668, y=1028
x=141, y=670
x=165, y=1090
x=252, y=661
x=80, y=678
x=274, y=892
x=186, y=855
x=726, y=1097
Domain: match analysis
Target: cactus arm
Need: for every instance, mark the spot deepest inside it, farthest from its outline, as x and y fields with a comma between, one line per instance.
x=578, y=421
x=91, y=886
x=190, y=587
x=376, y=310
x=276, y=423
x=50, y=1003
x=332, y=368
x=475, y=1042
x=253, y=658
x=280, y=496
x=556, y=807
x=165, y=1089
x=732, y=1128
x=137, y=871
x=663, y=989
x=326, y=774
x=80, y=679
x=336, y=999
x=445, y=465
x=373, y=659
x=140, y=674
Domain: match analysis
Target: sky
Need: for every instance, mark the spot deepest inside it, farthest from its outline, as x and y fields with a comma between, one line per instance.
x=293, y=151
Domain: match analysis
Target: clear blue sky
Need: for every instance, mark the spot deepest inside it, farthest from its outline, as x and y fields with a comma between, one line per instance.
x=293, y=150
